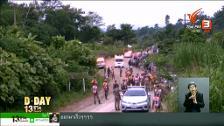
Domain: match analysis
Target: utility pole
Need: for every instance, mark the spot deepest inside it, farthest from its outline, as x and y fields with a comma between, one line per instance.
x=84, y=85
x=35, y=3
x=185, y=20
x=69, y=85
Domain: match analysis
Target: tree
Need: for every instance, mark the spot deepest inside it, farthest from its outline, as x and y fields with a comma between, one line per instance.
x=3, y=2
x=93, y=19
x=167, y=20
x=27, y=69
x=126, y=33
x=53, y=4
x=114, y=33
x=64, y=23
x=58, y=41
x=43, y=32
x=156, y=26
x=88, y=33
x=218, y=20
x=179, y=25
x=193, y=37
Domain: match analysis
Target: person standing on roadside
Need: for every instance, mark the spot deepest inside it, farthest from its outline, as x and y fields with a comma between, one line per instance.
x=105, y=88
x=124, y=86
x=113, y=74
x=95, y=93
x=105, y=70
x=117, y=96
x=108, y=71
x=94, y=81
x=121, y=71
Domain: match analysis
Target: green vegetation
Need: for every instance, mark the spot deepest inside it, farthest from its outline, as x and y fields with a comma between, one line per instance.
x=107, y=51
x=203, y=60
x=171, y=102
x=193, y=56
x=190, y=54
x=45, y=49
x=27, y=69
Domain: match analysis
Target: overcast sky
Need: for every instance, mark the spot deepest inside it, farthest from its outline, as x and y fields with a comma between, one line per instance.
x=144, y=13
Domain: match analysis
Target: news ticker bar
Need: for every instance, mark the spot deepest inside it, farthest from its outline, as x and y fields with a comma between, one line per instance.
x=120, y=119
x=148, y=119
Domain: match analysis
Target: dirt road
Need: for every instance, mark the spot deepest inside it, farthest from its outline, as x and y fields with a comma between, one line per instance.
x=87, y=105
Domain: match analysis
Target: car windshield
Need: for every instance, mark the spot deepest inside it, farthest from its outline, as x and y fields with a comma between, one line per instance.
x=99, y=62
x=119, y=60
x=135, y=93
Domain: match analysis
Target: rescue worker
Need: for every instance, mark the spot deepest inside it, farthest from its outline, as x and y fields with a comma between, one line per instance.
x=124, y=86
x=126, y=73
x=131, y=70
x=95, y=93
x=121, y=71
x=147, y=84
x=106, y=76
x=129, y=80
x=117, y=96
x=105, y=70
x=142, y=78
x=156, y=103
x=136, y=79
x=108, y=71
x=94, y=81
x=113, y=74
x=132, y=80
x=105, y=88
x=157, y=91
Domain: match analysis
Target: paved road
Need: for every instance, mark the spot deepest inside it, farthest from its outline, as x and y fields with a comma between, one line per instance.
x=87, y=105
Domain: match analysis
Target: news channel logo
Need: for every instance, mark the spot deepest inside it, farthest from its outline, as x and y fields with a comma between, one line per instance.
x=206, y=24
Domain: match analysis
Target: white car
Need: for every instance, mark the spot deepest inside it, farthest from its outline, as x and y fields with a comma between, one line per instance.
x=100, y=62
x=119, y=61
x=128, y=54
x=135, y=99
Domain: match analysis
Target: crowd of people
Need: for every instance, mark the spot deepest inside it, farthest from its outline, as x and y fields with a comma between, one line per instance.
x=127, y=77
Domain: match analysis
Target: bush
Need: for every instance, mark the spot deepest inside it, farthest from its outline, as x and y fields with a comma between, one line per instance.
x=27, y=69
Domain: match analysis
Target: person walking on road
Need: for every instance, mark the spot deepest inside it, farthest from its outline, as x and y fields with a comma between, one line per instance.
x=108, y=71
x=157, y=91
x=136, y=80
x=105, y=70
x=126, y=73
x=156, y=103
x=121, y=71
x=113, y=74
x=94, y=81
x=124, y=86
x=117, y=96
x=95, y=93
x=106, y=88
x=131, y=70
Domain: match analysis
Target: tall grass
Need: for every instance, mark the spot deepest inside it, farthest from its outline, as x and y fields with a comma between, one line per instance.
x=196, y=55
x=171, y=102
x=203, y=59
